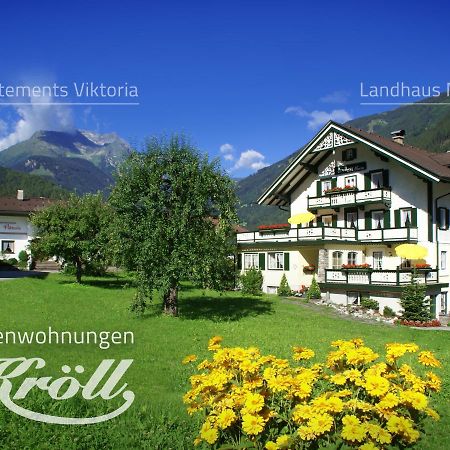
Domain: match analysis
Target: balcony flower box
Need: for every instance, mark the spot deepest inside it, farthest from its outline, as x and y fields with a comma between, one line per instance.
x=423, y=267
x=309, y=269
x=338, y=190
x=356, y=267
x=274, y=227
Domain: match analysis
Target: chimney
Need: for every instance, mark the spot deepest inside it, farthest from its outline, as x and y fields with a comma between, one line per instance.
x=20, y=194
x=398, y=136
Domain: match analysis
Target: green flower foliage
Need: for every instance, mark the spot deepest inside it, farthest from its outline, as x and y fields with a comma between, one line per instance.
x=174, y=217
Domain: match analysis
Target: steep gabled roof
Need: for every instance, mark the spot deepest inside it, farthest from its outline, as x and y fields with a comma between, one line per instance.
x=13, y=206
x=431, y=166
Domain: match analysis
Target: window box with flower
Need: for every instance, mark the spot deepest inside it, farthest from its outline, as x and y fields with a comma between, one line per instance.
x=309, y=269
x=364, y=266
x=274, y=227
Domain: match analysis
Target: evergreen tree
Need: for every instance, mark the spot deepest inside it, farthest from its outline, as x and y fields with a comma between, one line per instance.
x=284, y=289
x=413, y=302
x=314, y=290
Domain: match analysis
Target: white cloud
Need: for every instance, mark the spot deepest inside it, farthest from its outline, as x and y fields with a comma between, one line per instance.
x=226, y=148
x=317, y=118
x=250, y=159
x=36, y=117
x=3, y=127
x=336, y=97
x=228, y=157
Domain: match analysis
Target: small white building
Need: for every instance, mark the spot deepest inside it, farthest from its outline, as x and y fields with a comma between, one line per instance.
x=16, y=231
x=369, y=194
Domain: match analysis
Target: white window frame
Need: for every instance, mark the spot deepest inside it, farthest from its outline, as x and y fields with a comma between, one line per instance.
x=348, y=223
x=326, y=184
x=326, y=216
x=11, y=244
x=377, y=260
x=336, y=259
x=373, y=182
x=375, y=221
x=352, y=258
x=443, y=260
x=251, y=260
x=404, y=215
x=275, y=261
x=443, y=303
x=351, y=180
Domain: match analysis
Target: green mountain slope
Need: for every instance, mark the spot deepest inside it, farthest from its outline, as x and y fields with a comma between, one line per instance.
x=80, y=161
x=33, y=185
x=427, y=126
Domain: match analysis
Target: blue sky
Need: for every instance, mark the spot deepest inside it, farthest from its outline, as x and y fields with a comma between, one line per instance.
x=260, y=76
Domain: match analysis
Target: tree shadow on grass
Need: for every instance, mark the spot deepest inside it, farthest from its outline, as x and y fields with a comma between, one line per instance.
x=223, y=309
x=108, y=282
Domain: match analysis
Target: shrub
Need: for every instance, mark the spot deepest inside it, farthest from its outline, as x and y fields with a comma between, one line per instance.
x=23, y=259
x=353, y=399
x=314, y=290
x=284, y=288
x=388, y=312
x=252, y=281
x=415, y=306
x=369, y=303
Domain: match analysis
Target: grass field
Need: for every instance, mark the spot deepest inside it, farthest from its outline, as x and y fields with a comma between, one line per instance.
x=157, y=419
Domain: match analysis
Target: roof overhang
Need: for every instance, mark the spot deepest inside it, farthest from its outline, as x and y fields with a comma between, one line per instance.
x=300, y=168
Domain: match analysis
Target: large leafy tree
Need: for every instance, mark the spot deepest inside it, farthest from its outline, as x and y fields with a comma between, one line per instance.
x=73, y=230
x=175, y=215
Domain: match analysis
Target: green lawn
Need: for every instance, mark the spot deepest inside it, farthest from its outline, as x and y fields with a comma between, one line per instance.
x=157, y=419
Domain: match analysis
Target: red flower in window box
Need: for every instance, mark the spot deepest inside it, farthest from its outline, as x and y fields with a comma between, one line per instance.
x=276, y=226
x=356, y=266
x=422, y=266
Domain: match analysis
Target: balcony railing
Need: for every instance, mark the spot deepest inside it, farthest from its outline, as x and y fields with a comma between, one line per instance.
x=331, y=234
x=398, y=277
x=346, y=198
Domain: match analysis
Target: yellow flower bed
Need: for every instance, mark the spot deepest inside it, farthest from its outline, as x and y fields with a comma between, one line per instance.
x=264, y=402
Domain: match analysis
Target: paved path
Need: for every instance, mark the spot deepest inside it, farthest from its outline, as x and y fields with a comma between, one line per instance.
x=6, y=275
x=432, y=328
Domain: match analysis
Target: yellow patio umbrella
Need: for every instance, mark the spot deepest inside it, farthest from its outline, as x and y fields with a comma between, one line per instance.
x=305, y=217
x=411, y=251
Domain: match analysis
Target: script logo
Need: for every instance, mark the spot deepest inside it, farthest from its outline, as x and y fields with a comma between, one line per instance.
x=64, y=388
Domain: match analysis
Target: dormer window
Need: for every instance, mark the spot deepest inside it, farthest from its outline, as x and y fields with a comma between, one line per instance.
x=349, y=154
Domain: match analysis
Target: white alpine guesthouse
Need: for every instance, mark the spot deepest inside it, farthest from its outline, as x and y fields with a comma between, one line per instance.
x=369, y=194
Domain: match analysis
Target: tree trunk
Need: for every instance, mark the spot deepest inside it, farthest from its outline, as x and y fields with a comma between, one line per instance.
x=171, y=301
x=79, y=269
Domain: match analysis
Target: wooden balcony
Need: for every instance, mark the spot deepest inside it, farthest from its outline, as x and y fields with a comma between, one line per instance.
x=351, y=198
x=323, y=233
x=398, y=277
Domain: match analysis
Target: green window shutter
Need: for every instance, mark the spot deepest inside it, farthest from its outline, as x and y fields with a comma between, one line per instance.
x=333, y=182
x=239, y=261
x=447, y=217
x=368, y=219
x=367, y=183
x=262, y=261
x=286, y=261
x=385, y=178
x=397, y=218
x=319, y=221
x=334, y=221
x=318, y=188
x=387, y=219
x=414, y=217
